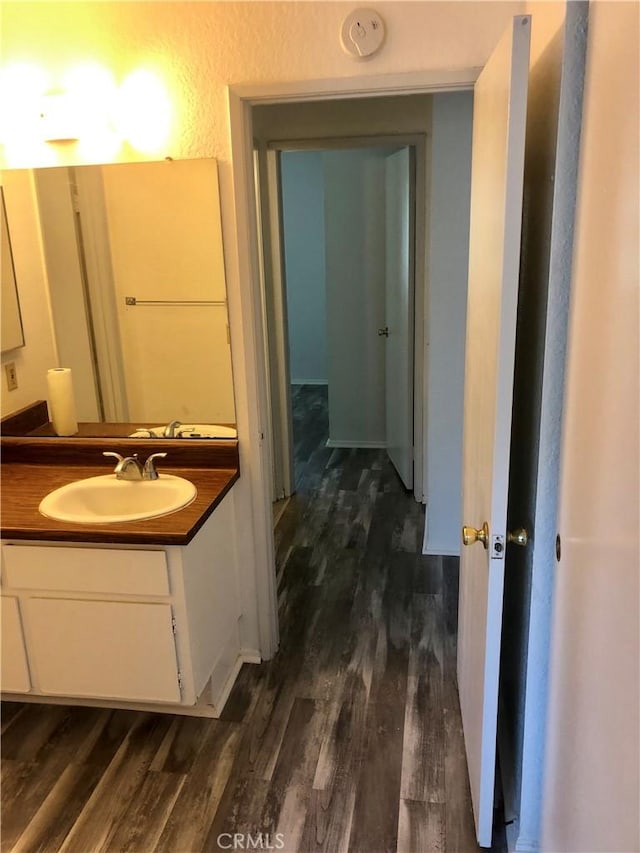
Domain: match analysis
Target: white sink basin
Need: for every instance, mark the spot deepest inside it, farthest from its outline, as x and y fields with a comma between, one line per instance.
x=189, y=431
x=104, y=500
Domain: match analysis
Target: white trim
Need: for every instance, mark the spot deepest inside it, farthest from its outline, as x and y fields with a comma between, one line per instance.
x=245, y=309
x=242, y=268
x=250, y=656
x=309, y=382
x=401, y=139
x=276, y=318
x=347, y=442
x=411, y=82
x=440, y=551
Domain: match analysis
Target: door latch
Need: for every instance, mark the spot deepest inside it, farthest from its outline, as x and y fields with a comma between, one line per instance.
x=497, y=547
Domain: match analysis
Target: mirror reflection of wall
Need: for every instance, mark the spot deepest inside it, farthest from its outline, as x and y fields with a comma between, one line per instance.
x=11, y=333
x=151, y=232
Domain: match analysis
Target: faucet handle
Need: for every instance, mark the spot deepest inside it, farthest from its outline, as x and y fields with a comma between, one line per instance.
x=112, y=454
x=170, y=429
x=150, y=472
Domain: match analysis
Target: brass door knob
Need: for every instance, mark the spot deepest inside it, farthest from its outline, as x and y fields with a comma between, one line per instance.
x=473, y=534
x=519, y=536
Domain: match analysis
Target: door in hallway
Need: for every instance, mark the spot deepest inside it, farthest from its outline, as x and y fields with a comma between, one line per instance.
x=399, y=314
x=497, y=171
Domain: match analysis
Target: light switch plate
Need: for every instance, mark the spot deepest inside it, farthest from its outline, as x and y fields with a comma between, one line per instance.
x=12, y=375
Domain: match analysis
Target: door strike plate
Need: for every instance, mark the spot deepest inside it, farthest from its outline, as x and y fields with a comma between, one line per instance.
x=497, y=547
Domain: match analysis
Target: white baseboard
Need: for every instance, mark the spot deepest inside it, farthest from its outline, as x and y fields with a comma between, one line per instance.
x=250, y=656
x=432, y=549
x=365, y=445
x=308, y=382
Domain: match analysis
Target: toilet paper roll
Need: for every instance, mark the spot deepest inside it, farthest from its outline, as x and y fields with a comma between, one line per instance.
x=62, y=404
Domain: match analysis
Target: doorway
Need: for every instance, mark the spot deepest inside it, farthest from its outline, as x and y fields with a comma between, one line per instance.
x=442, y=148
x=347, y=237
x=358, y=102
x=336, y=131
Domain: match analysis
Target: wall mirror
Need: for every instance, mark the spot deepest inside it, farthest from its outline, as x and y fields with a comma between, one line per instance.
x=11, y=334
x=134, y=261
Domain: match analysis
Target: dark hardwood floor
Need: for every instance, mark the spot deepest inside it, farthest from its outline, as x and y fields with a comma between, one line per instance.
x=350, y=739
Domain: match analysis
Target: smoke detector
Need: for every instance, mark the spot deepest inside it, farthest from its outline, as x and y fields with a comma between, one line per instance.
x=362, y=33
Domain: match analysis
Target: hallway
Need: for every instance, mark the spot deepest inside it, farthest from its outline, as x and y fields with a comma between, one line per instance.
x=349, y=739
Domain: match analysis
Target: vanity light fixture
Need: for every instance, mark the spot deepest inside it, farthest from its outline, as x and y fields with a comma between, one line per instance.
x=59, y=118
x=83, y=106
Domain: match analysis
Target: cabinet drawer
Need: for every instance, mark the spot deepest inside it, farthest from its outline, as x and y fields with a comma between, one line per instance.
x=103, y=649
x=99, y=570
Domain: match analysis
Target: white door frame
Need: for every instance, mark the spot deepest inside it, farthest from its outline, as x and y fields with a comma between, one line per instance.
x=276, y=322
x=282, y=439
x=245, y=298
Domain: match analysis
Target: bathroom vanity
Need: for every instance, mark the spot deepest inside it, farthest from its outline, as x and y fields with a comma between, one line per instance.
x=140, y=614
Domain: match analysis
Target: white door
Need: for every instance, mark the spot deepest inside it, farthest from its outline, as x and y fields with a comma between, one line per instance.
x=499, y=121
x=398, y=315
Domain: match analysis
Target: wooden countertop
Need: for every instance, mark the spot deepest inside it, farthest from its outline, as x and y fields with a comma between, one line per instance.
x=33, y=468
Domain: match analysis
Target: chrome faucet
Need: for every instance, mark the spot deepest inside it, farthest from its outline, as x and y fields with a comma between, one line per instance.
x=170, y=429
x=129, y=467
x=149, y=471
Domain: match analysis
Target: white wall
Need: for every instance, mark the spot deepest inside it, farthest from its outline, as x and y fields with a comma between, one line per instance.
x=38, y=354
x=592, y=791
x=303, y=223
x=446, y=319
x=355, y=264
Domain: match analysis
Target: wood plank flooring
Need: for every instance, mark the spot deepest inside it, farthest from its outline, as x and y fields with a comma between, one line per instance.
x=350, y=739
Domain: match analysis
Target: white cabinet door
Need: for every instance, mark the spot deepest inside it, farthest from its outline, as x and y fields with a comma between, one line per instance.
x=15, y=670
x=103, y=649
